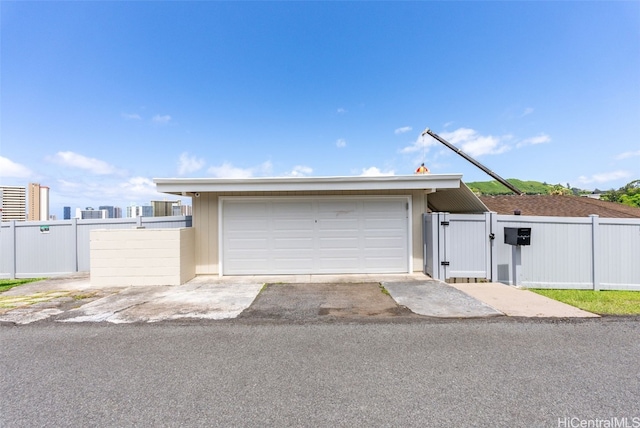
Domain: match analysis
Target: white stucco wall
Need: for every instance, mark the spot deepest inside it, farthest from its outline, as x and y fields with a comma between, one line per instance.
x=135, y=257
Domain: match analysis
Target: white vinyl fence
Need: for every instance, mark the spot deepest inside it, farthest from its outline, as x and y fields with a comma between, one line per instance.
x=31, y=249
x=565, y=252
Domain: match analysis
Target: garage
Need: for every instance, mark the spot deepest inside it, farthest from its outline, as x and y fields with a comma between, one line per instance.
x=314, y=235
x=315, y=225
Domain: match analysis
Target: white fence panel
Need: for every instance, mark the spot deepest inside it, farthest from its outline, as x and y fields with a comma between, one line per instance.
x=618, y=253
x=44, y=248
x=565, y=252
x=560, y=254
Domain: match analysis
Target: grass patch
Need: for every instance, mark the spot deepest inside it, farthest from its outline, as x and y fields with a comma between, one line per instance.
x=599, y=302
x=83, y=296
x=12, y=302
x=7, y=284
x=384, y=290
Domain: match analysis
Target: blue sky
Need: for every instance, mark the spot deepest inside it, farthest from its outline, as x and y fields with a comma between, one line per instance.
x=99, y=98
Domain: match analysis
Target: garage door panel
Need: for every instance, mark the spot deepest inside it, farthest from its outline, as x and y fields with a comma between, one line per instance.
x=292, y=243
x=292, y=209
x=339, y=262
x=247, y=262
x=384, y=207
x=386, y=243
x=294, y=224
x=288, y=265
x=337, y=208
x=393, y=224
x=338, y=224
x=244, y=244
x=247, y=209
x=315, y=235
x=327, y=243
x=246, y=225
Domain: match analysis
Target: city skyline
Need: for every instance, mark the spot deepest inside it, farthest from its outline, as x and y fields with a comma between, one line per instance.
x=30, y=203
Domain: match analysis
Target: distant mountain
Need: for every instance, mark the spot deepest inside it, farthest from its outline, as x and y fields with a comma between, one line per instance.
x=529, y=187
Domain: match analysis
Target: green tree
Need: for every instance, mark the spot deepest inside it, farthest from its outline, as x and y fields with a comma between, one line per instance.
x=629, y=194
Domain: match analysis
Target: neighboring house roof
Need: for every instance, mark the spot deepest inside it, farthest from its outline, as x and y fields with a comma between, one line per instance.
x=446, y=192
x=558, y=206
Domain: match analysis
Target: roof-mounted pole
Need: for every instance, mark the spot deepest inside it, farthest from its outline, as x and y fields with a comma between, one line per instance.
x=510, y=186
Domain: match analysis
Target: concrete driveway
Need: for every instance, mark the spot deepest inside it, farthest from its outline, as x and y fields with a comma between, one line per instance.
x=305, y=298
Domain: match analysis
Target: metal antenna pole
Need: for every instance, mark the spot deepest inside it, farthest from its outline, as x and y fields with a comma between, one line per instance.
x=510, y=186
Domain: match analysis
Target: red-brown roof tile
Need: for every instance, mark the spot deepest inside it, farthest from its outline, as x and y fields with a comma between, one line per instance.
x=558, y=206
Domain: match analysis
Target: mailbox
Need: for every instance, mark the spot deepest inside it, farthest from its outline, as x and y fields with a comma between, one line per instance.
x=517, y=235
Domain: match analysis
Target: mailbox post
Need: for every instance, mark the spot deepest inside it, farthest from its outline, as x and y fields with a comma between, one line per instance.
x=516, y=237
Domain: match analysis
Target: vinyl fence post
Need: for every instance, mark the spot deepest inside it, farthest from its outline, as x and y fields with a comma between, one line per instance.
x=12, y=249
x=595, y=247
x=491, y=226
x=74, y=237
x=443, y=246
x=424, y=243
x=139, y=222
x=516, y=264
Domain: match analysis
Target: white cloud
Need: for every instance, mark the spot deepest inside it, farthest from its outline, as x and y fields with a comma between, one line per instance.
x=342, y=110
x=474, y=144
x=131, y=116
x=420, y=144
x=8, y=168
x=75, y=160
x=300, y=171
x=341, y=142
x=540, y=139
x=161, y=118
x=139, y=186
x=627, y=155
x=526, y=112
x=188, y=164
x=227, y=170
x=68, y=185
x=375, y=172
x=604, y=177
x=402, y=130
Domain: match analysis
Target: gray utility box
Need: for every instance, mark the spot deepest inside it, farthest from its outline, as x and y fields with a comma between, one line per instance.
x=517, y=235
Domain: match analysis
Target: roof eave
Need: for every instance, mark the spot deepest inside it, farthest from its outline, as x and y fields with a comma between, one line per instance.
x=300, y=184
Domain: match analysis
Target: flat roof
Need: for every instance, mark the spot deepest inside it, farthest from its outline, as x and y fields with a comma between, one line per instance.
x=297, y=184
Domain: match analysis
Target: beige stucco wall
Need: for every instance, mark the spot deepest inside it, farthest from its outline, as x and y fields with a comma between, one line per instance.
x=205, y=222
x=127, y=257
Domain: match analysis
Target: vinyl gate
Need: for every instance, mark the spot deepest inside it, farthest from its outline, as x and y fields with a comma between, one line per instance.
x=565, y=252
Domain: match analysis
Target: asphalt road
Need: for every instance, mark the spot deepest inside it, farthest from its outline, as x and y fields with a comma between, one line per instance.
x=499, y=373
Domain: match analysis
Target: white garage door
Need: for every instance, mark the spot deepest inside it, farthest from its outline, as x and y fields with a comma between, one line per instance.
x=315, y=235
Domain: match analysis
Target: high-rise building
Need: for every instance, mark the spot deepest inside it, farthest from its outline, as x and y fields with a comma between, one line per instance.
x=67, y=213
x=139, y=211
x=109, y=209
x=164, y=208
x=13, y=203
x=181, y=210
x=117, y=212
x=38, y=202
x=90, y=213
